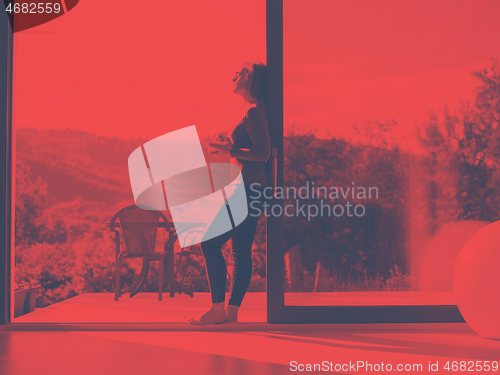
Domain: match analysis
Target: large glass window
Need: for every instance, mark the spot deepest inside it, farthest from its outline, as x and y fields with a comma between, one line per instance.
x=390, y=147
x=90, y=87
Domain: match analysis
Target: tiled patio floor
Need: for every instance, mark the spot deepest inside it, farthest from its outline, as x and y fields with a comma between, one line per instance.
x=145, y=307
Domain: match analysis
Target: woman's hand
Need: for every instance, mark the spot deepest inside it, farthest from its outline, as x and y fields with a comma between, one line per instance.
x=223, y=146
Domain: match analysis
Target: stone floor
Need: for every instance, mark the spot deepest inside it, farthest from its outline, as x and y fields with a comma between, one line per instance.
x=273, y=352
x=145, y=307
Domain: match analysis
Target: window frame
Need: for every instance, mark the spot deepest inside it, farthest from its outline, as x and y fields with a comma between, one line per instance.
x=277, y=312
x=8, y=156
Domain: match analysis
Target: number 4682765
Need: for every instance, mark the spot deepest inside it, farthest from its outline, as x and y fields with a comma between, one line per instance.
x=34, y=8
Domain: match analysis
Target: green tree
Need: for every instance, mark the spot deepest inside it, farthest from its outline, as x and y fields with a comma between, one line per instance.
x=35, y=222
x=465, y=146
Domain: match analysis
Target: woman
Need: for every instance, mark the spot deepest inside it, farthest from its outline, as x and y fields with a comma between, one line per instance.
x=251, y=147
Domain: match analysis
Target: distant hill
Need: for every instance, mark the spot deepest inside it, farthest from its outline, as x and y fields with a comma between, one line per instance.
x=75, y=163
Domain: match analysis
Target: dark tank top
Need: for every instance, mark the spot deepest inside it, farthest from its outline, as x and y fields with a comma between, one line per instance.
x=252, y=133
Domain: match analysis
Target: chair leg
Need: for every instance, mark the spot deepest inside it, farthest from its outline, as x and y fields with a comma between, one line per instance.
x=161, y=266
x=117, y=277
x=169, y=260
x=138, y=279
x=186, y=261
x=143, y=277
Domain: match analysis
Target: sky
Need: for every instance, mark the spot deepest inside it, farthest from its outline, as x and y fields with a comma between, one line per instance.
x=112, y=69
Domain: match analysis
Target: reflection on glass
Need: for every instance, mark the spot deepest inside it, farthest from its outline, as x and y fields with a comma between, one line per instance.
x=89, y=89
x=390, y=147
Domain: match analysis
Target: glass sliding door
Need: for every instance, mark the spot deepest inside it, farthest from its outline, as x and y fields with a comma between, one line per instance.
x=90, y=87
x=383, y=179
x=5, y=164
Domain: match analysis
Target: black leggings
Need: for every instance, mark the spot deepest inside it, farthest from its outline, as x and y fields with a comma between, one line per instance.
x=242, y=239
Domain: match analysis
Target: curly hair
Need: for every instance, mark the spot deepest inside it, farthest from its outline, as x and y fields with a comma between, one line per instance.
x=258, y=85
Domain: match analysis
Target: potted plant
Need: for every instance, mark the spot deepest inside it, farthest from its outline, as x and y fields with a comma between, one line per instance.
x=25, y=295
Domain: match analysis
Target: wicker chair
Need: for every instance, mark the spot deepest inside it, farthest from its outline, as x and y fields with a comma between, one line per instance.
x=139, y=229
x=188, y=242
x=193, y=231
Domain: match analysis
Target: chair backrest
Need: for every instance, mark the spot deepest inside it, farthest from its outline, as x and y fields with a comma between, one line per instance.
x=139, y=228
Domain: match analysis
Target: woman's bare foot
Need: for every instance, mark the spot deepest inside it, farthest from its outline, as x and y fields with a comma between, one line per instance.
x=232, y=313
x=215, y=315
